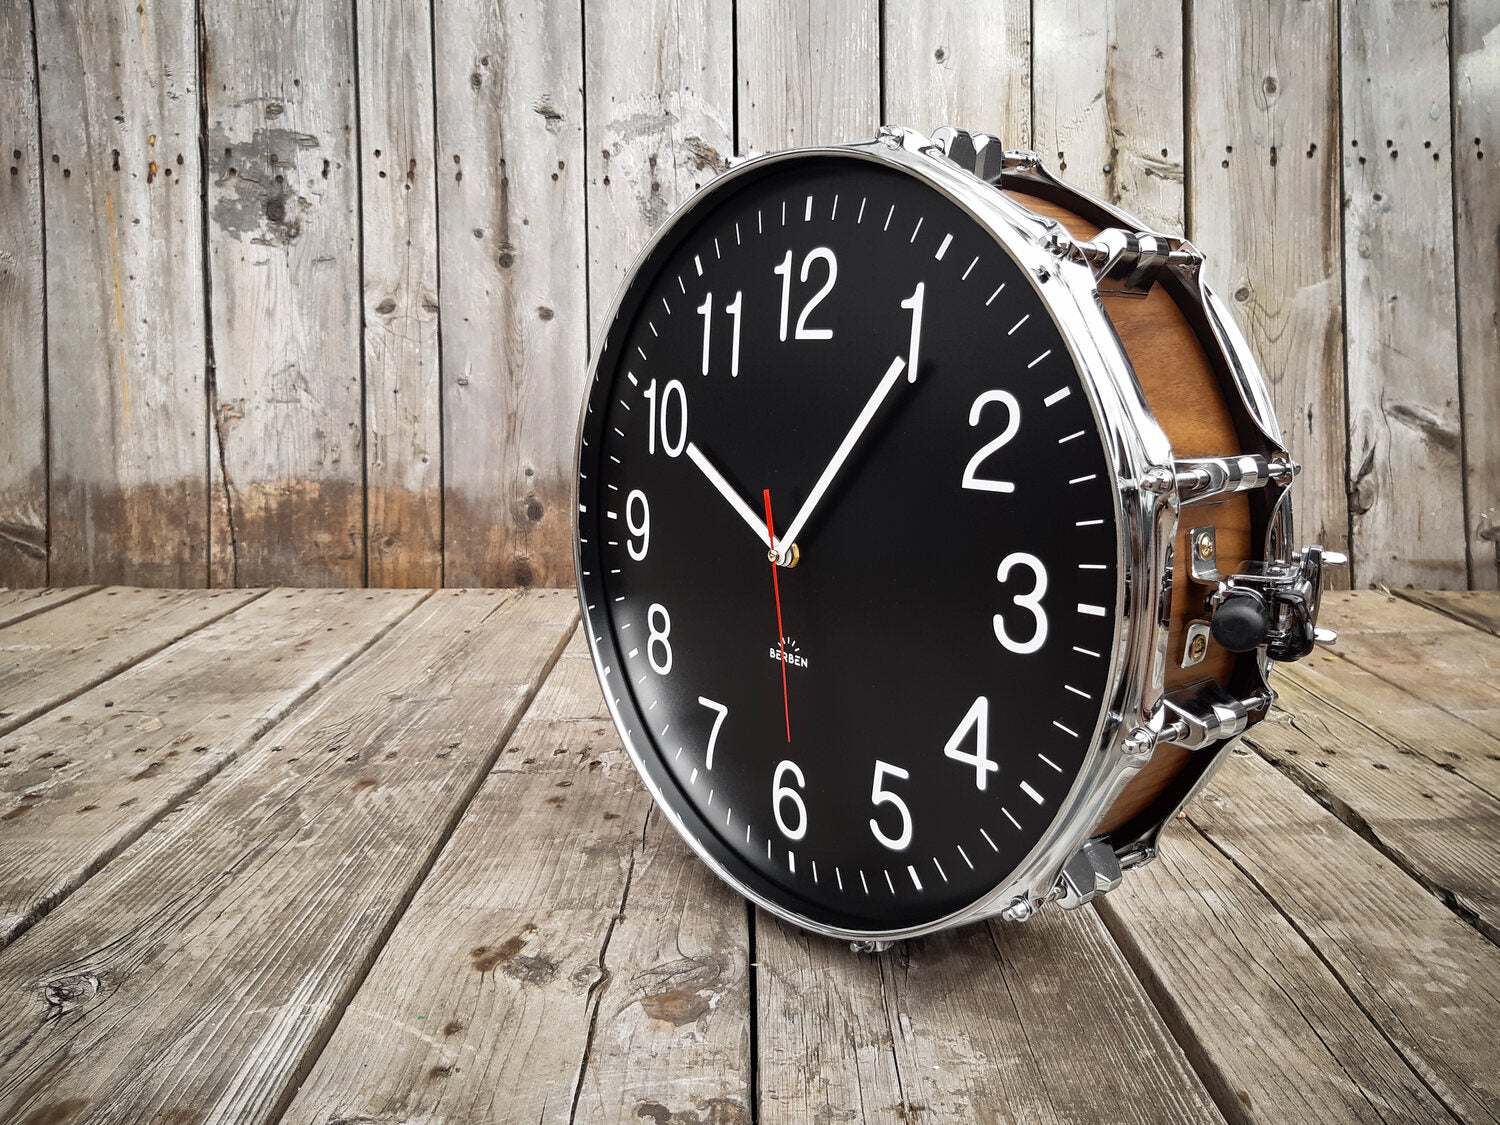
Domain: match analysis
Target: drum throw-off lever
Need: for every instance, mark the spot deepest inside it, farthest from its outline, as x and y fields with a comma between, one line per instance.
x=1275, y=605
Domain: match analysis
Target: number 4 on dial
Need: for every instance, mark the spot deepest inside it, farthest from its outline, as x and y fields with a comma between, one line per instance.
x=979, y=719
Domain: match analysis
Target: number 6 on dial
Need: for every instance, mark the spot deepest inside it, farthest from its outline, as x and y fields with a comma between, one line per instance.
x=780, y=793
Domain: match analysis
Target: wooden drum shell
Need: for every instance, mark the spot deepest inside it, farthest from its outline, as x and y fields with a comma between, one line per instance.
x=1184, y=393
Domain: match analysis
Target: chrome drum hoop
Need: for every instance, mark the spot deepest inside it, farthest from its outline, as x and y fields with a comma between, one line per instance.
x=1246, y=394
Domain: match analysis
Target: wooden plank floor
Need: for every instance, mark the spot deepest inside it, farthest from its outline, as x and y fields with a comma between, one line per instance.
x=339, y=856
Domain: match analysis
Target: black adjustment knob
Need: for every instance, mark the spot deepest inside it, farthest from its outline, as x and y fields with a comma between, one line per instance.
x=1241, y=622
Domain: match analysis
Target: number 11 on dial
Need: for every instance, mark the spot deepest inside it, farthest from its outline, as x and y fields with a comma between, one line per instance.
x=734, y=308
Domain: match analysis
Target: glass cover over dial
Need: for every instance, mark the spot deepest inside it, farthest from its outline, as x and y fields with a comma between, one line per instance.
x=876, y=736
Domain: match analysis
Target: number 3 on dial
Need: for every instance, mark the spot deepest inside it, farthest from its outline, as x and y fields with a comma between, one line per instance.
x=1031, y=602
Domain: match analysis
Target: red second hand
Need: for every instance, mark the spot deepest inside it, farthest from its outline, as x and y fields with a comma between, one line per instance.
x=780, y=645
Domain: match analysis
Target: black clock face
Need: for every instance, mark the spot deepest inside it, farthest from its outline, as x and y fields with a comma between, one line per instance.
x=874, y=738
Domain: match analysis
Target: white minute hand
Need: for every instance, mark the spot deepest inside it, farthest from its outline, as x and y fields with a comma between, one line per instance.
x=840, y=455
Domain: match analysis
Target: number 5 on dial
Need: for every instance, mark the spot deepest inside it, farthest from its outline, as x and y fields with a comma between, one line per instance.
x=881, y=796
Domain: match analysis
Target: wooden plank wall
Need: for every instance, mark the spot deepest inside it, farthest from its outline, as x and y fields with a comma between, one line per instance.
x=303, y=292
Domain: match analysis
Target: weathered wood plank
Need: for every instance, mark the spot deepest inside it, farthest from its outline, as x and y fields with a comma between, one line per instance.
x=626, y=993
x=671, y=1039
x=80, y=784
x=194, y=977
x=832, y=1056
x=1263, y=202
x=125, y=316
x=1479, y=608
x=1404, y=718
x=398, y=197
x=17, y=605
x=1273, y=1032
x=1420, y=651
x=660, y=92
x=961, y=63
x=1109, y=112
x=511, y=226
x=808, y=73
x=1425, y=978
x=1476, y=132
x=1439, y=827
x=49, y=659
x=1405, y=471
x=283, y=242
x=978, y=1024
x=23, y=375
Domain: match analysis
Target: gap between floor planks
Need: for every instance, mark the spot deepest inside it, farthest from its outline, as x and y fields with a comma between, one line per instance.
x=17, y=605
x=581, y=1089
x=54, y=656
x=1415, y=776
x=82, y=782
x=311, y=833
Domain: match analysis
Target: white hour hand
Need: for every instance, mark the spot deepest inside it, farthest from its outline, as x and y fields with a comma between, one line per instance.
x=716, y=478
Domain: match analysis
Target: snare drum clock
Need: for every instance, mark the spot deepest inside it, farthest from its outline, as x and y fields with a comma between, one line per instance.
x=872, y=539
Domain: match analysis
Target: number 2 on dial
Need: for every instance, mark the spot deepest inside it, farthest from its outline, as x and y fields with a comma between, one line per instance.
x=972, y=479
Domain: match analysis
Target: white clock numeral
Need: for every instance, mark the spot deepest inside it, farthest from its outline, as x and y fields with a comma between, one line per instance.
x=782, y=793
x=1031, y=602
x=713, y=735
x=881, y=796
x=658, y=639
x=978, y=719
x=671, y=448
x=706, y=311
x=784, y=271
x=641, y=527
x=972, y=479
x=914, y=303
x=734, y=308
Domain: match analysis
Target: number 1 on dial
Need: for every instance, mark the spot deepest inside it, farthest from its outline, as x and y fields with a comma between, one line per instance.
x=914, y=303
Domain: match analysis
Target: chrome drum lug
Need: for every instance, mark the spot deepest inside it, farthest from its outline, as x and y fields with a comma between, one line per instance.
x=1094, y=870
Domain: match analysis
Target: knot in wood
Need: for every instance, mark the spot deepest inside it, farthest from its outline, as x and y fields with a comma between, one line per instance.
x=68, y=992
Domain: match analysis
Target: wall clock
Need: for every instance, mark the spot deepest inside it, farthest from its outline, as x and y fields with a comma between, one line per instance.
x=897, y=557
